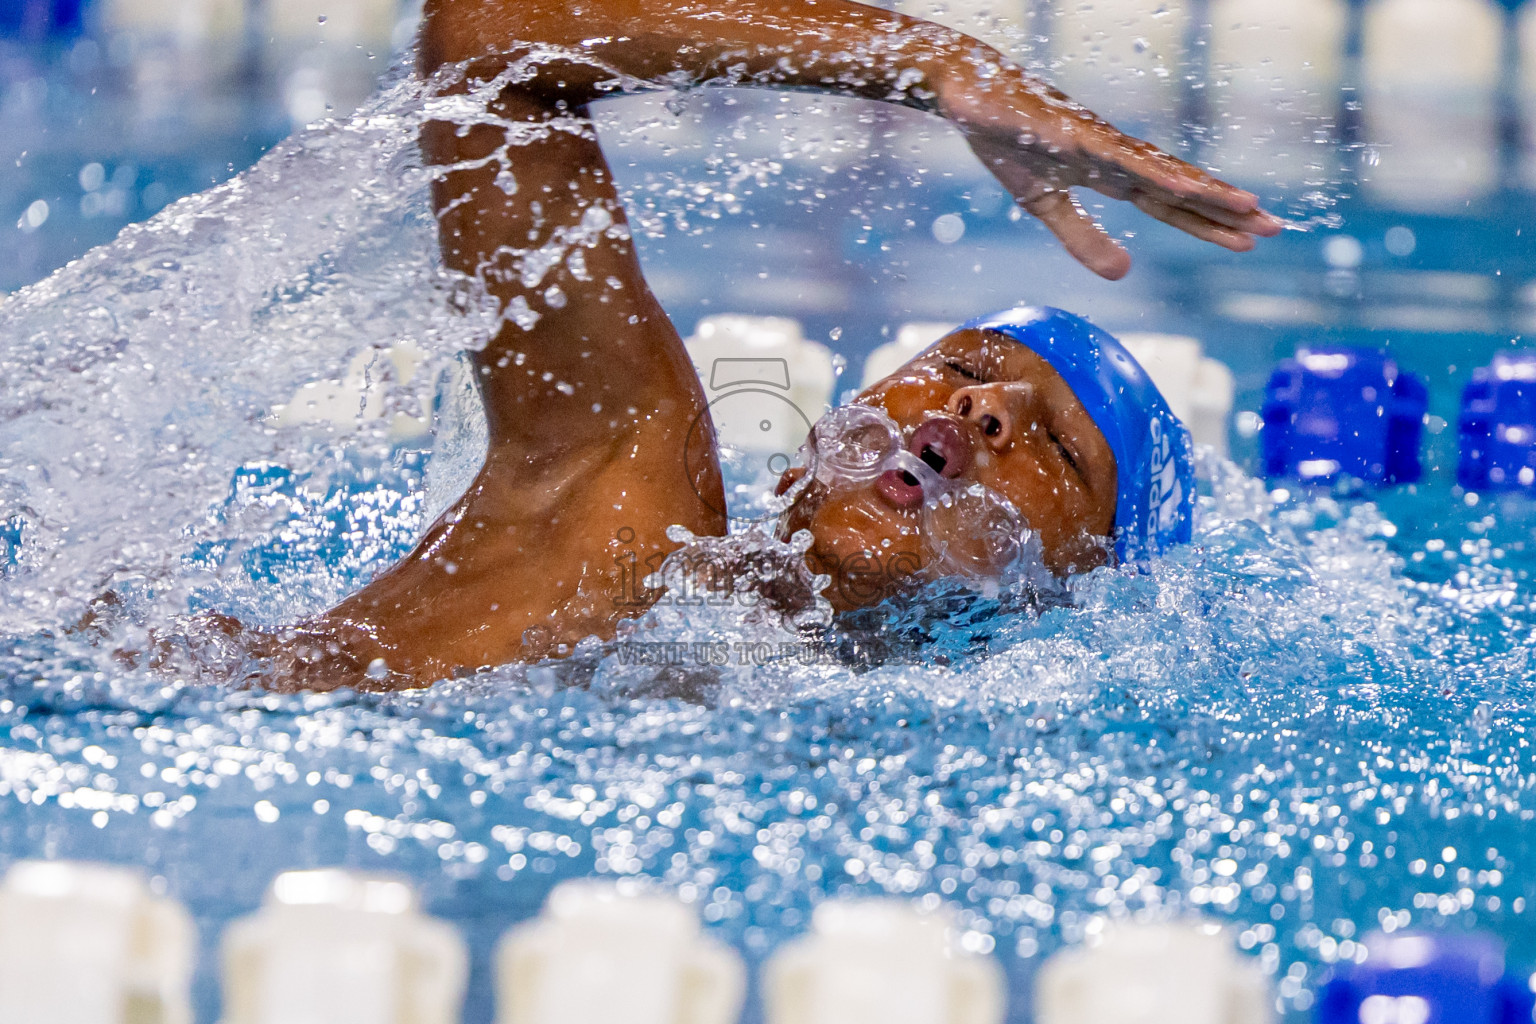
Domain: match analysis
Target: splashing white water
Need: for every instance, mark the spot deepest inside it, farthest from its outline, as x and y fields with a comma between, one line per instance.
x=140, y=376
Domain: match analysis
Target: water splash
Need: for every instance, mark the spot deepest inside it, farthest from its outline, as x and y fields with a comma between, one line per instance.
x=1275, y=726
x=142, y=375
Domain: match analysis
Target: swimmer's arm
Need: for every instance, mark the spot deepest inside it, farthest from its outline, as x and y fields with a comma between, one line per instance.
x=1034, y=140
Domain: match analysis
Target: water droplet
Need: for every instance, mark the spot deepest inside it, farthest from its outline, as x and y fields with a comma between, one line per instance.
x=1401, y=241
x=34, y=217
x=1482, y=718
x=1343, y=252
x=949, y=228
x=92, y=177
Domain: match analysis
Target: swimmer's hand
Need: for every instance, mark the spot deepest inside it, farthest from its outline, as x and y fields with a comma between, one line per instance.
x=315, y=656
x=1040, y=145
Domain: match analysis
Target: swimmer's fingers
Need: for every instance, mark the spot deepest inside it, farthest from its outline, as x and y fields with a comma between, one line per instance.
x=1254, y=221
x=1061, y=145
x=1120, y=167
x=1257, y=222
x=1079, y=233
x=1196, y=224
x=1125, y=167
x=1040, y=185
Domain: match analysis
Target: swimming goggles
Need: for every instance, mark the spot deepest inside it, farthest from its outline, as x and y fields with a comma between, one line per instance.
x=965, y=529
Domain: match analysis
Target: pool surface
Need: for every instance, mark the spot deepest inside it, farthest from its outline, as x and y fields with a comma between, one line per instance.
x=1310, y=724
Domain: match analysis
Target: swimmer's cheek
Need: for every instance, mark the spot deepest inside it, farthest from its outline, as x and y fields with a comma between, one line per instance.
x=1071, y=541
x=860, y=578
x=1083, y=553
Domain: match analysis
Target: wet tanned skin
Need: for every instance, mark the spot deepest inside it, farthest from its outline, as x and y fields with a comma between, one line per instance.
x=589, y=408
x=1018, y=429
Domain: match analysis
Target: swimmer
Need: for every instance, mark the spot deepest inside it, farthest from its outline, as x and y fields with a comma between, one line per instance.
x=590, y=397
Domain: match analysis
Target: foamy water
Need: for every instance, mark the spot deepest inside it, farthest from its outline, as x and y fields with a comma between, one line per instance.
x=142, y=375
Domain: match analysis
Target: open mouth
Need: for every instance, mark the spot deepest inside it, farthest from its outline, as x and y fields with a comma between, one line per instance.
x=944, y=445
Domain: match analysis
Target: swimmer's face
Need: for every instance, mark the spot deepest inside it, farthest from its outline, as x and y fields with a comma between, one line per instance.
x=978, y=408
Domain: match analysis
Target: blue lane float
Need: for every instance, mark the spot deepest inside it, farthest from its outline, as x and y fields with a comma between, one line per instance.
x=1498, y=425
x=1336, y=412
x=36, y=20
x=1422, y=978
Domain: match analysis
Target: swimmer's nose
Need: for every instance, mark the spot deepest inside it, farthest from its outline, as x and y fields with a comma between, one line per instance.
x=994, y=409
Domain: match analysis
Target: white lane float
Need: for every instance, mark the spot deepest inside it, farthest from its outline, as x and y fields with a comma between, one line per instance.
x=1177, y=973
x=602, y=952
x=1277, y=73
x=1124, y=58
x=176, y=42
x=85, y=943
x=1001, y=23
x=360, y=395
x=339, y=23
x=1433, y=132
x=328, y=56
x=341, y=947
x=1199, y=390
x=881, y=962
x=910, y=340
x=765, y=382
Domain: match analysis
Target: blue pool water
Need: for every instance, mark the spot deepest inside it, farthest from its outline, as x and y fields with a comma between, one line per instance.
x=1313, y=722
x=1296, y=726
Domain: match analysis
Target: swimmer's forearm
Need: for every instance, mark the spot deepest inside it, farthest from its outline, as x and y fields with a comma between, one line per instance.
x=833, y=46
x=1036, y=142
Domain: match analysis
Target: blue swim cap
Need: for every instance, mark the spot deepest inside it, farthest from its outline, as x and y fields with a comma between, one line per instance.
x=1153, y=460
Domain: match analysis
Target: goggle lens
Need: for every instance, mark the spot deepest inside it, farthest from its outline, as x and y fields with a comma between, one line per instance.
x=854, y=444
x=968, y=530
x=973, y=532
